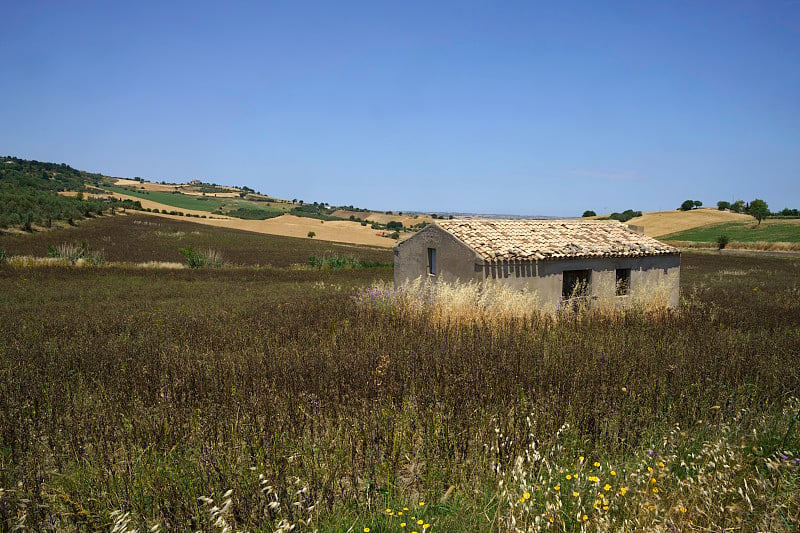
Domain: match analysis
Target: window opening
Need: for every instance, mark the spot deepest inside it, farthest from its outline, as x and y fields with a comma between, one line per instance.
x=432, y=261
x=623, y=281
x=575, y=284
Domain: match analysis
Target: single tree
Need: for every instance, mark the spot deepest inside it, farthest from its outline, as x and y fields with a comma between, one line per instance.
x=697, y=203
x=687, y=205
x=722, y=205
x=589, y=213
x=759, y=209
x=737, y=206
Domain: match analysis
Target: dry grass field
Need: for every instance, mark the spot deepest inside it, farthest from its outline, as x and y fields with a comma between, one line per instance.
x=658, y=223
x=293, y=226
x=258, y=399
x=383, y=218
x=139, y=237
x=286, y=225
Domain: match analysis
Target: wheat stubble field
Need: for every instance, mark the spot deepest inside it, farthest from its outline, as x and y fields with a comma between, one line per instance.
x=257, y=398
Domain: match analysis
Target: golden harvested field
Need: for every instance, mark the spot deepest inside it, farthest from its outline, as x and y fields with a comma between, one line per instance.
x=286, y=225
x=383, y=218
x=145, y=185
x=184, y=188
x=659, y=223
x=292, y=226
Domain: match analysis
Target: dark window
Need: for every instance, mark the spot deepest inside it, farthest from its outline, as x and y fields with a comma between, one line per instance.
x=576, y=284
x=432, y=261
x=623, y=281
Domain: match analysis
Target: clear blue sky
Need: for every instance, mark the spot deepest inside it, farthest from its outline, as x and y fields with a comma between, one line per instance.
x=495, y=107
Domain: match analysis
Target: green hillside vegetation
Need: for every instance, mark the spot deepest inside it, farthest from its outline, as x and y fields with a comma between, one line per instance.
x=253, y=213
x=244, y=207
x=182, y=201
x=29, y=194
x=315, y=211
x=768, y=231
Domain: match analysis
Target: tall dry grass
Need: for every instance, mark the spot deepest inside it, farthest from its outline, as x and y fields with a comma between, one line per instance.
x=212, y=380
x=493, y=301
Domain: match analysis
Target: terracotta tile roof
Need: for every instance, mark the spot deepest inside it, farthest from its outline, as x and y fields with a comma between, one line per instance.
x=497, y=240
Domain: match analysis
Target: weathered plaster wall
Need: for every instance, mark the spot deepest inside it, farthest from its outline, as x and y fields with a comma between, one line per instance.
x=658, y=275
x=454, y=259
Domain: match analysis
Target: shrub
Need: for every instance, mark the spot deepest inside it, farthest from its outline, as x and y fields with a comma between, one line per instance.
x=394, y=236
x=589, y=213
x=342, y=263
x=625, y=215
x=76, y=253
x=722, y=241
x=311, y=234
x=208, y=258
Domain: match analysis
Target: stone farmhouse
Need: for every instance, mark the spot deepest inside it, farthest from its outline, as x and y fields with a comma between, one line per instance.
x=559, y=259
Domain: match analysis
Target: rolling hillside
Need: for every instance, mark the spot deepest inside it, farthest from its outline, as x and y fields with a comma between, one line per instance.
x=660, y=223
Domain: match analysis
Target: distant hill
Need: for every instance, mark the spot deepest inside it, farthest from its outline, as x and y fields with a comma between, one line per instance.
x=30, y=194
x=660, y=223
x=37, y=195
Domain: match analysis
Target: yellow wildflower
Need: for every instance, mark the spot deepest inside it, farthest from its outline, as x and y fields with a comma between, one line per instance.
x=527, y=495
x=623, y=490
x=389, y=511
x=366, y=530
x=683, y=509
x=652, y=480
x=649, y=468
x=574, y=494
x=655, y=490
x=661, y=464
x=569, y=477
x=613, y=473
x=593, y=479
x=420, y=522
x=605, y=507
x=607, y=487
x=425, y=526
x=402, y=524
x=422, y=504
x=596, y=464
x=557, y=487
x=585, y=518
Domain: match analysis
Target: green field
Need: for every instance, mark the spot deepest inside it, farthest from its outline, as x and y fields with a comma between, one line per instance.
x=197, y=203
x=144, y=390
x=767, y=231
